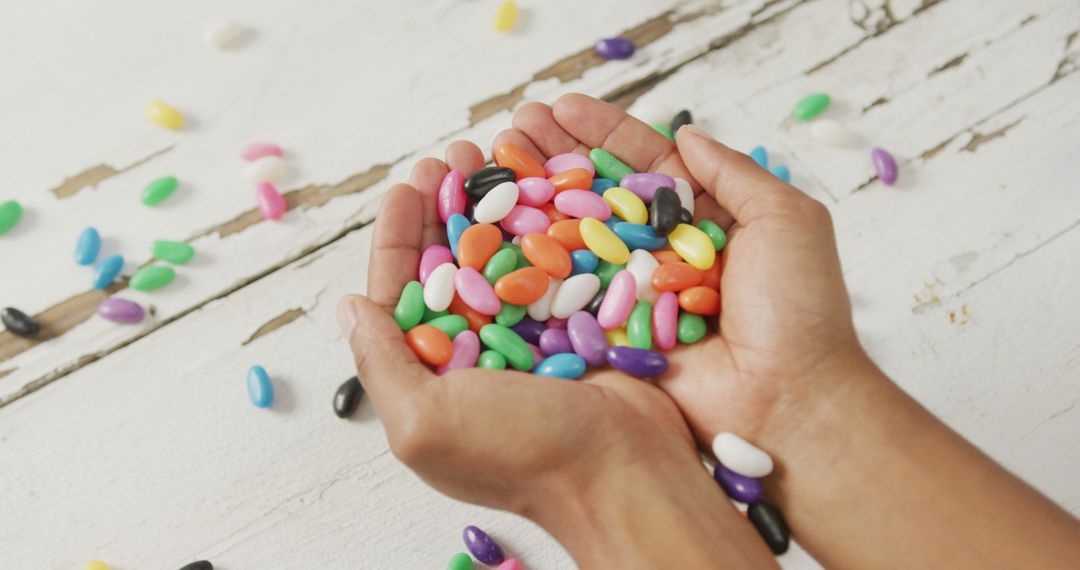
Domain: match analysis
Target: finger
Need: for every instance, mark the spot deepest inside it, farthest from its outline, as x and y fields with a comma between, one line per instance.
x=518, y=138
x=426, y=177
x=395, y=245
x=464, y=157
x=385, y=365
x=538, y=123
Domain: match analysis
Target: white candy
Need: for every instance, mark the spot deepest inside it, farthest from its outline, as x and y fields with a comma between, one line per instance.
x=496, y=204
x=641, y=266
x=574, y=293
x=832, y=132
x=540, y=310
x=222, y=34
x=686, y=194
x=740, y=456
x=265, y=169
x=439, y=289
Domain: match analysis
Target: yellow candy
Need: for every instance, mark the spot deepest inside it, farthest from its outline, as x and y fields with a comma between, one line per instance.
x=96, y=565
x=617, y=337
x=164, y=115
x=626, y=205
x=506, y=16
x=693, y=245
x=603, y=242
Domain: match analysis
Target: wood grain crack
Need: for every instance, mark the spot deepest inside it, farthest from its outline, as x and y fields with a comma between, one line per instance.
x=954, y=62
x=275, y=324
x=979, y=139
x=95, y=175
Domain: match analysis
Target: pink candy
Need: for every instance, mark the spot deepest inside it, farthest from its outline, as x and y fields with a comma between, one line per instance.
x=476, y=292
x=466, y=352
x=618, y=301
x=511, y=564
x=665, y=320
x=582, y=204
x=451, y=198
x=568, y=161
x=525, y=220
x=534, y=191
x=434, y=256
x=271, y=203
x=257, y=150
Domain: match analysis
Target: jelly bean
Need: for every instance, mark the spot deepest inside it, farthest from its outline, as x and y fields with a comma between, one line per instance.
x=496, y=204
x=693, y=245
x=164, y=115
x=666, y=256
x=884, y=165
x=593, y=308
x=507, y=343
x=257, y=150
x=811, y=106
x=642, y=265
x=466, y=351
x=583, y=261
x=573, y=179
x=616, y=337
x=430, y=315
x=685, y=217
x=614, y=48
x=265, y=169
x=664, y=130
x=439, y=289
x=665, y=320
x=157, y=190
x=491, y=360
x=547, y=253
x=681, y=118
x=556, y=323
x=121, y=310
x=782, y=172
x=568, y=234
x=107, y=270
x=626, y=205
x=600, y=185
x=574, y=294
x=665, y=211
x=430, y=344
x=505, y=18
x=88, y=246
x=479, y=183
x=222, y=34
x=686, y=194
x=606, y=271
x=199, y=565
x=500, y=264
x=456, y=225
x=347, y=397
x=96, y=565
x=477, y=244
x=152, y=277
x=434, y=256
x=19, y=323
x=760, y=156
x=564, y=365
x=568, y=161
x=510, y=314
x=692, y=328
x=637, y=362
x=535, y=192
x=553, y=214
x=607, y=166
x=452, y=325
x=742, y=489
x=511, y=564
x=770, y=525
x=476, y=292
x=612, y=222
x=530, y=330
x=582, y=204
x=639, y=325
x=832, y=132
x=700, y=301
x=741, y=456
x=541, y=308
x=260, y=389
x=525, y=220
x=645, y=184
x=711, y=277
x=555, y=341
x=175, y=252
x=10, y=213
x=451, y=198
x=272, y=204
x=676, y=276
x=522, y=286
x=619, y=300
x=587, y=338
x=715, y=232
x=603, y=242
x=460, y=561
x=512, y=156
x=475, y=319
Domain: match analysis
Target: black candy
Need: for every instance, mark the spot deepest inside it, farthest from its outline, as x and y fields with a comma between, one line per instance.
x=479, y=183
x=200, y=565
x=686, y=217
x=683, y=118
x=19, y=323
x=665, y=211
x=346, y=398
x=770, y=525
x=594, y=306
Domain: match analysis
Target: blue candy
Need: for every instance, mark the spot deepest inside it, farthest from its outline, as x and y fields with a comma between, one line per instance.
x=583, y=261
x=88, y=246
x=563, y=365
x=781, y=171
x=260, y=390
x=601, y=184
x=639, y=236
x=610, y=222
x=456, y=225
x=760, y=156
x=107, y=270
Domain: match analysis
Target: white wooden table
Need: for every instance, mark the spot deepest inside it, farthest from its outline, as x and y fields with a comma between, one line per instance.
x=136, y=444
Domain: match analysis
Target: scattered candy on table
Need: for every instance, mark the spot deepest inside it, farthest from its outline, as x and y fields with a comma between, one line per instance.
x=830, y=131
x=460, y=561
x=164, y=115
x=506, y=17
x=266, y=168
x=107, y=270
x=681, y=118
x=10, y=213
x=811, y=106
x=884, y=165
x=347, y=397
x=175, y=252
x=88, y=246
x=486, y=550
x=19, y=323
x=96, y=565
x=157, y=190
x=121, y=310
x=222, y=34
x=199, y=565
x=511, y=564
x=260, y=389
x=614, y=48
x=272, y=204
x=152, y=277
x=256, y=150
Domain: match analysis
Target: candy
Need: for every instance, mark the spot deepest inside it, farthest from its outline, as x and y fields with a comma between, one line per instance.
x=456, y=225
x=568, y=234
x=603, y=242
x=164, y=115
x=152, y=277
x=347, y=397
x=88, y=246
x=606, y=271
x=10, y=213
x=681, y=119
x=452, y=325
x=496, y=204
x=676, y=276
x=716, y=233
x=639, y=325
x=574, y=293
x=477, y=244
x=741, y=456
x=522, y=286
x=665, y=211
x=665, y=320
x=499, y=265
x=199, y=565
x=260, y=389
x=512, y=156
x=760, y=156
x=782, y=172
x=222, y=34
x=666, y=256
x=257, y=150
x=486, y=550
x=491, y=360
x=555, y=341
x=833, y=133
x=430, y=344
x=466, y=347
x=157, y=190
x=583, y=261
x=626, y=205
x=770, y=525
x=556, y=323
x=524, y=220
x=479, y=183
x=600, y=185
x=593, y=308
x=511, y=564
x=107, y=270
x=565, y=365
x=685, y=217
x=619, y=300
x=607, y=166
x=553, y=214
x=614, y=48
x=410, y=306
x=693, y=245
x=505, y=19
x=884, y=165
x=510, y=314
x=507, y=343
x=573, y=179
x=691, y=328
x=96, y=565
x=475, y=319
x=645, y=184
x=541, y=308
x=439, y=289
x=475, y=291
x=568, y=161
x=811, y=106
x=460, y=561
x=637, y=362
x=616, y=337
x=121, y=310
x=535, y=192
x=430, y=315
x=272, y=204
x=686, y=194
x=582, y=204
x=434, y=256
x=19, y=323
x=530, y=330
x=711, y=277
x=642, y=265
x=587, y=338
x=738, y=487
x=700, y=300
x=265, y=169
x=175, y=252
x=547, y=254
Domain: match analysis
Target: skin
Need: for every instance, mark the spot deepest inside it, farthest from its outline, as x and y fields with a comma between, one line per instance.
x=787, y=374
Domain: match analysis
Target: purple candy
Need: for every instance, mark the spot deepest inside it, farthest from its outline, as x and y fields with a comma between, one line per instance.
x=739, y=487
x=555, y=341
x=637, y=361
x=587, y=337
x=885, y=165
x=614, y=48
x=121, y=310
x=482, y=547
x=645, y=184
x=529, y=330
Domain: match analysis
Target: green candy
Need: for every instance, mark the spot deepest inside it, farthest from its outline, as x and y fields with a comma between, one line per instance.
x=431, y=315
x=174, y=252
x=491, y=360
x=691, y=328
x=460, y=561
x=410, y=306
x=503, y=262
x=450, y=324
x=10, y=212
x=811, y=106
x=607, y=166
x=152, y=277
x=606, y=272
x=507, y=343
x=662, y=129
x=639, y=326
x=157, y=190
x=510, y=315
x=715, y=233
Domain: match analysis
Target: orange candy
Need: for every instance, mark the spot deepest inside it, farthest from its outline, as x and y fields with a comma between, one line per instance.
x=568, y=233
x=666, y=256
x=547, y=254
x=430, y=344
x=512, y=156
x=573, y=179
x=476, y=320
x=524, y=286
x=478, y=243
x=676, y=276
x=553, y=214
x=711, y=276
x=700, y=301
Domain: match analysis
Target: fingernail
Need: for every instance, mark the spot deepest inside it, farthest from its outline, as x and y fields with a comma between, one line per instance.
x=346, y=315
x=692, y=129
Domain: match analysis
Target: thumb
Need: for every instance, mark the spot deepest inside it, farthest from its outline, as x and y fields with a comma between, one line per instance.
x=385, y=365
